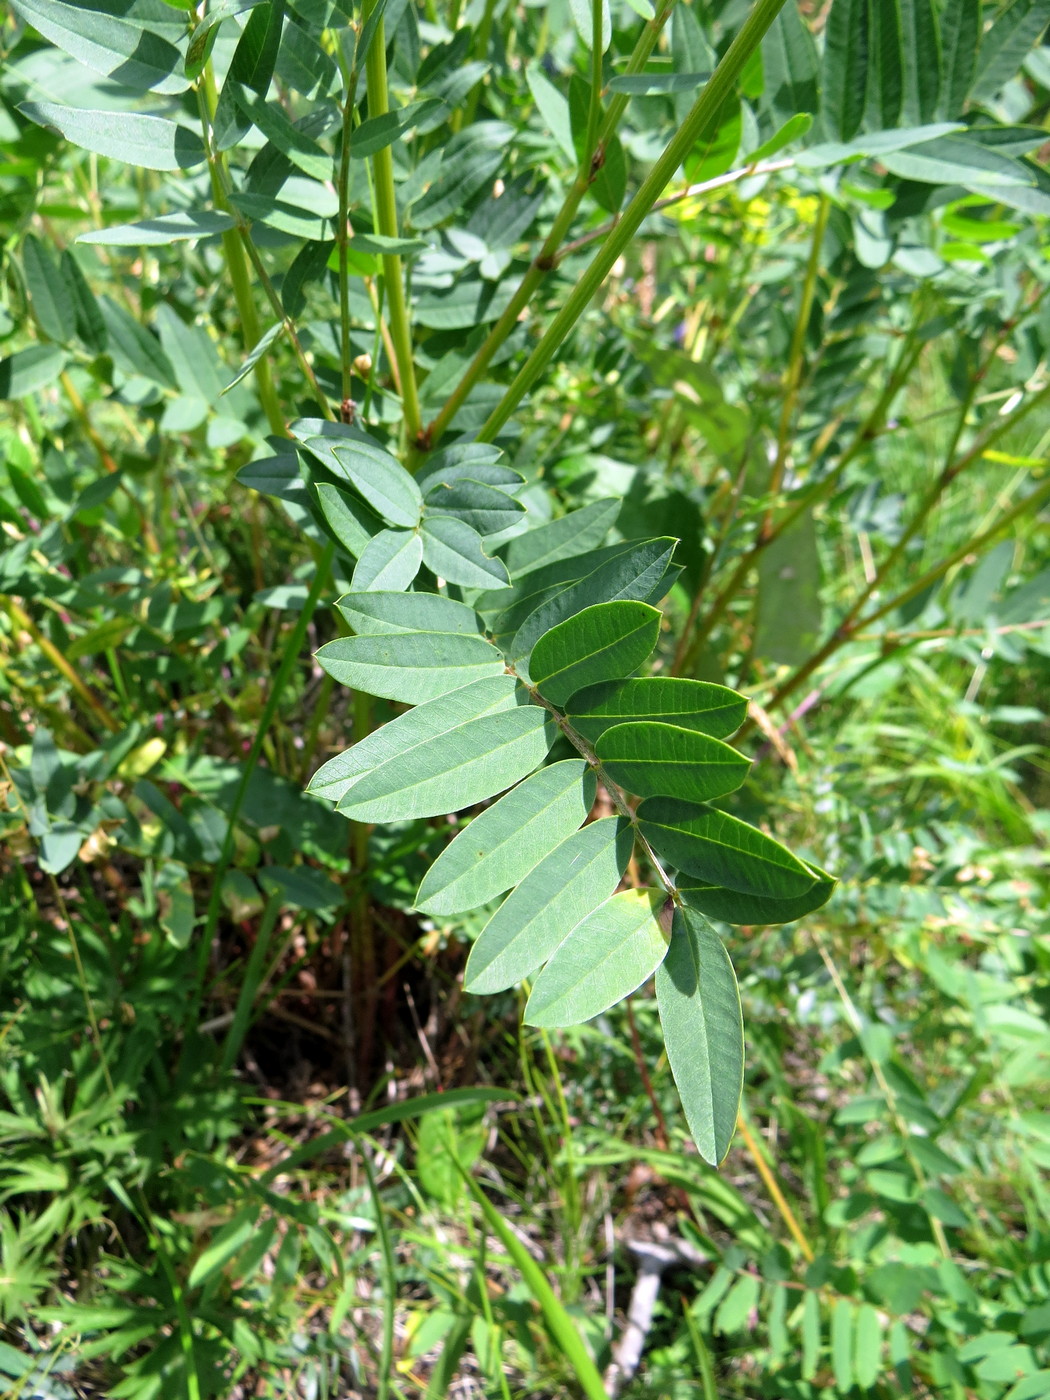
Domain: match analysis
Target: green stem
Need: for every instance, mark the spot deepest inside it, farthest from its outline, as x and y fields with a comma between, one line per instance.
x=236, y=262
x=289, y=661
x=386, y=225
x=702, y=113
x=549, y=254
x=717, y=182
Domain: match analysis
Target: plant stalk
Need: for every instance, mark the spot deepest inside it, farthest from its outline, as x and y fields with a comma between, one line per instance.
x=702, y=113
x=549, y=254
x=386, y=225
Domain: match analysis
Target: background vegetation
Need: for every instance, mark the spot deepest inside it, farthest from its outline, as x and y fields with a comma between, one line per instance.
x=257, y=1139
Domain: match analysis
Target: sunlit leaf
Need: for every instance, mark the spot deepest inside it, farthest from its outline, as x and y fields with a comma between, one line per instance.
x=703, y=1031
x=578, y=875
x=499, y=847
x=604, y=958
x=598, y=644
x=665, y=760
x=721, y=849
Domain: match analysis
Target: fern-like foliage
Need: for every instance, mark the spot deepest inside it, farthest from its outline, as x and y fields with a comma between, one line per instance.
x=506, y=640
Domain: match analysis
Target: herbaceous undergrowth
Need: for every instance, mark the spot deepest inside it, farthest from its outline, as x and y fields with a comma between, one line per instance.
x=526, y=653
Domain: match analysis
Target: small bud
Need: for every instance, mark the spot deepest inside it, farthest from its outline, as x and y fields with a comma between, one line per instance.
x=363, y=365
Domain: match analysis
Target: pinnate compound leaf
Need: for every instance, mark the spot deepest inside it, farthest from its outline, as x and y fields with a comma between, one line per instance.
x=107, y=41
x=600, y=643
x=410, y=666
x=636, y=573
x=390, y=560
x=722, y=850
x=506, y=841
x=465, y=765
x=578, y=875
x=732, y=907
x=453, y=550
x=700, y=705
x=166, y=228
x=574, y=534
x=150, y=143
x=663, y=760
x=608, y=955
x=432, y=721
x=699, y=1003
x=371, y=471
x=371, y=614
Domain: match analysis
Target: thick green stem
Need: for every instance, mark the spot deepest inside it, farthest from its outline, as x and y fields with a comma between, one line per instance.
x=549, y=254
x=703, y=112
x=386, y=225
